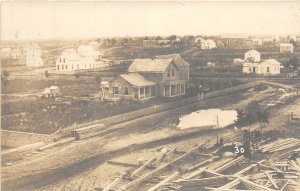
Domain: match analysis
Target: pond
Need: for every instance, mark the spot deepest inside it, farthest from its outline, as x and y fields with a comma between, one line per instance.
x=208, y=117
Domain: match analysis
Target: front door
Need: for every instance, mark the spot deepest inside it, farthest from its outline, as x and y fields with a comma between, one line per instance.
x=254, y=71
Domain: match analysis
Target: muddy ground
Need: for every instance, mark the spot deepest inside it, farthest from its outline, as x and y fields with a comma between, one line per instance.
x=85, y=160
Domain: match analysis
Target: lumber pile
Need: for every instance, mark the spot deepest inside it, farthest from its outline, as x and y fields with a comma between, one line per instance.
x=90, y=131
x=280, y=145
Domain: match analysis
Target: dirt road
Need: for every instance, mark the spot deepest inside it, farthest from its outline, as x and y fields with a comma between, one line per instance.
x=77, y=159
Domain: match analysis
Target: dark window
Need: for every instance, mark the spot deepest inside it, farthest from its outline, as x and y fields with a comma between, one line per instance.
x=168, y=73
x=167, y=90
x=126, y=91
x=153, y=91
x=268, y=69
x=57, y=67
x=115, y=90
x=66, y=67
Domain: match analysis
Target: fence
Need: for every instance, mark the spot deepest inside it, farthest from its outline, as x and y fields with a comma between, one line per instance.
x=164, y=107
x=17, y=139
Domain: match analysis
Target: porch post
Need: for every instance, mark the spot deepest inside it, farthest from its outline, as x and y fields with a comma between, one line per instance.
x=138, y=92
x=170, y=93
x=150, y=87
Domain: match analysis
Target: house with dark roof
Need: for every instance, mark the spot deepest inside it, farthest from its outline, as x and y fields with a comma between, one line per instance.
x=164, y=76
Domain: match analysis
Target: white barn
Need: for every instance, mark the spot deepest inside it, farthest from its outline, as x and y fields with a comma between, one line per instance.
x=286, y=48
x=88, y=51
x=208, y=44
x=33, y=56
x=267, y=67
x=71, y=61
x=252, y=56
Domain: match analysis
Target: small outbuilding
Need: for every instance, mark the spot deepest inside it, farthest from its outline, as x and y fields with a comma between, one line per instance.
x=286, y=48
x=252, y=56
x=267, y=67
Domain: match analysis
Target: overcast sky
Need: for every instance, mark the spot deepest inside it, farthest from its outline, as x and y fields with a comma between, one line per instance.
x=31, y=20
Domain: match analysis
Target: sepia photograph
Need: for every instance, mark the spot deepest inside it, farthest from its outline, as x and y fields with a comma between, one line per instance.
x=150, y=95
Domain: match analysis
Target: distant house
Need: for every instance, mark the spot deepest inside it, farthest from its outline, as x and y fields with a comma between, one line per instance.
x=88, y=51
x=210, y=64
x=33, y=56
x=233, y=40
x=286, y=48
x=17, y=54
x=238, y=61
x=184, y=66
x=149, y=43
x=53, y=91
x=94, y=44
x=6, y=53
x=198, y=40
x=267, y=67
x=69, y=60
x=252, y=56
x=208, y=44
x=148, y=78
x=104, y=63
x=257, y=41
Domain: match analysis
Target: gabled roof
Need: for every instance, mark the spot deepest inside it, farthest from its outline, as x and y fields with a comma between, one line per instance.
x=177, y=59
x=252, y=52
x=136, y=79
x=286, y=44
x=85, y=48
x=271, y=61
x=149, y=65
x=235, y=36
x=70, y=54
x=268, y=61
x=53, y=87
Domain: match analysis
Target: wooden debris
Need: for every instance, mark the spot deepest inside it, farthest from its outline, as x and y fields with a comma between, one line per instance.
x=168, y=179
x=139, y=180
x=271, y=180
x=134, y=173
x=229, y=164
x=114, y=183
x=122, y=164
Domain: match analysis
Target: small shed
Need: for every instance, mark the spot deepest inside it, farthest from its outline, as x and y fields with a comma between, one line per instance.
x=286, y=48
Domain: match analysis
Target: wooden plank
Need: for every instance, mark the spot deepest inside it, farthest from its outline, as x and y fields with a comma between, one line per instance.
x=202, y=180
x=287, y=182
x=202, y=163
x=195, y=173
x=168, y=179
x=253, y=185
x=229, y=185
x=25, y=148
x=213, y=172
x=248, y=168
x=229, y=164
x=271, y=180
x=155, y=163
x=138, y=170
x=114, y=183
x=137, y=181
x=122, y=164
x=295, y=165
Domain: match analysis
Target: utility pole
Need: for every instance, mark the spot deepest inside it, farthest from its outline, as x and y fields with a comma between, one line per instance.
x=218, y=125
